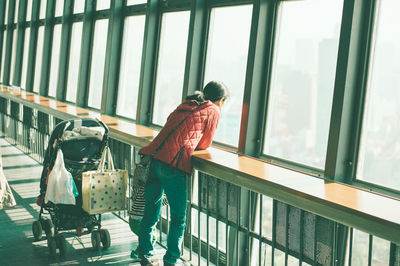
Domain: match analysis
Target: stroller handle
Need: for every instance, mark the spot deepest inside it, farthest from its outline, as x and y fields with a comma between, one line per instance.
x=103, y=125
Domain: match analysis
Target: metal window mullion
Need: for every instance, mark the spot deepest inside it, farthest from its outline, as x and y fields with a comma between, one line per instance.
x=86, y=54
x=148, y=64
x=66, y=31
x=9, y=43
x=195, y=54
x=2, y=30
x=256, y=89
x=349, y=89
x=20, y=42
x=34, y=26
x=47, y=49
x=113, y=58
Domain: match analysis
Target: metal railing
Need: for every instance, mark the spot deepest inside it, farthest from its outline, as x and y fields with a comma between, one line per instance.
x=226, y=224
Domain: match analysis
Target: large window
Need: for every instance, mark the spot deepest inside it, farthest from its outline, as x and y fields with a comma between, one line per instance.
x=39, y=59
x=131, y=59
x=59, y=8
x=380, y=142
x=42, y=12
x=3, y=55
x=303, y=80
x=171, y=64
x=135, y=2
x=97, y=65
x=16, y=11
x=28, y=10
x=228, y=44
x=73, y=63
x=79, y=6
x=55, y=56
x=103, y=4
x=25, y=58
x=13, y=56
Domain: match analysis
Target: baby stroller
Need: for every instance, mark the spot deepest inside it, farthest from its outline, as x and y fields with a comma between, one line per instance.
x=81, y=142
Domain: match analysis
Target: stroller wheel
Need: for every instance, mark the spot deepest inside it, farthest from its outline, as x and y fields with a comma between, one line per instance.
x=37, y=230
x=48, y=227
x=61, y=245
x=52, y=245
x=105, y=238
x=96, y=239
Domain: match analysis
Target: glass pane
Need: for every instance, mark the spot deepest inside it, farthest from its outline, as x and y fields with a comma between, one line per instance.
x=3, y=56
x=6, y=14
x=16, y=11
x=28, y=10
x=55, y=56
x=13, y=55
x=131, y=59
x=74, y=56
x=42, y=13
x=359, y=254
x=103, y=4
x=97, y=66
x=135, y=2
x=25, y=58
x=302, y=81
x=79, y=6
x=38, y=65
x=59, y=8
x=171, y=64
x=380, y=251
x=380, y=142
x=228, y=44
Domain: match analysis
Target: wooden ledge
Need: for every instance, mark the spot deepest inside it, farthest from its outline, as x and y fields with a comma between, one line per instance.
x=369, y=212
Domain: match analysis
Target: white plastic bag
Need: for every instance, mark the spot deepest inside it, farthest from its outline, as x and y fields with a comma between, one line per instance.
x=60, y=186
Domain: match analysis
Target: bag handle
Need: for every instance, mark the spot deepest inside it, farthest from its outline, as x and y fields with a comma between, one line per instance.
x=106, y=155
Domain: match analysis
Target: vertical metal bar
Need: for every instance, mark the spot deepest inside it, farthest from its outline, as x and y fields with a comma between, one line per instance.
x=190, y=186
x=273, y=231
x=217, y=221
x=287, y=234
x=249, y=224
x=370, y=250
x=315, y=241
x=301, y=237
x=238, y=214
x=228, y=261
x=148, y=66
x=208, y=219
x=333, y=250
x=198, y=219
x=113, y=57
x=392, y=259
x=260, y=230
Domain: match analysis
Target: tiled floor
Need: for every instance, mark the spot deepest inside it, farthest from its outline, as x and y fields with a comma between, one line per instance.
x=17, y=246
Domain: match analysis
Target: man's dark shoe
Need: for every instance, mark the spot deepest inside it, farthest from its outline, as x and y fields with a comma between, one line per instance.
x=149, y=262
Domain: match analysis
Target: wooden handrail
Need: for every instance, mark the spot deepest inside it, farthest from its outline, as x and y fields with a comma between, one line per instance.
x=372, y=213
